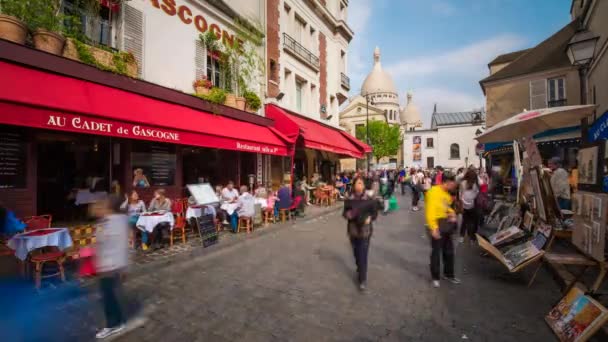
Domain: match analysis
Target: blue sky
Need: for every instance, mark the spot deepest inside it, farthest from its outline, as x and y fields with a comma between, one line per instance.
x=439, y=49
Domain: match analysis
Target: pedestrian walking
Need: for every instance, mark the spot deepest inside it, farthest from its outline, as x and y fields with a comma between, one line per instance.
x=469, y=190
x=111, y=259
x=441, y=222
x=360, y=210
x=417, y=187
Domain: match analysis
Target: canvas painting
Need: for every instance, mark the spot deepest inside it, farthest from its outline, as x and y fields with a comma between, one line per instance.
x=506, y=234
x=528, y=220
x=539, y=240
x=587, y=165
x=576, y=317
x=538, y=195
x=597, y=208
x=519, y=254
x=545, y=229
x=596, y=229
x=576, y=203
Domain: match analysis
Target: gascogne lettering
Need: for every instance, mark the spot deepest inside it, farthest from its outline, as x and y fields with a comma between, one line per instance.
x=154, y=133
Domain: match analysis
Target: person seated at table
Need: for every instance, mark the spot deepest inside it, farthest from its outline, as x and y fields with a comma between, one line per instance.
x=139, y=179
x=339, y=185
x=246, y=203
x=307, y=189
x=272, y=203
x=218, y=191
x=229, y=193
x=160, y=201
x=284, y=195
x=260, y=191
x=134, y=207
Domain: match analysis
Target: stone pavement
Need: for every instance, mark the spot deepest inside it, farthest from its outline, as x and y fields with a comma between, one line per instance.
x=296, y=284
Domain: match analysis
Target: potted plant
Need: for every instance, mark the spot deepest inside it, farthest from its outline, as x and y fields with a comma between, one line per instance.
x=216, y=95
x=46, y=23
x=12, y=17
x=252, y=101
x=202, y=86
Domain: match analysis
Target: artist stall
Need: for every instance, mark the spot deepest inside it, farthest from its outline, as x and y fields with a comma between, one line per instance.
x=523, y=233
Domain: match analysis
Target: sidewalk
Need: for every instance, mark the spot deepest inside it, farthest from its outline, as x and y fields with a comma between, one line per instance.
x=193, y=248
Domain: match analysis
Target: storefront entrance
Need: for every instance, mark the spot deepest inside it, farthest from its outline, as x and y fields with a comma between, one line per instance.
x=66, y=165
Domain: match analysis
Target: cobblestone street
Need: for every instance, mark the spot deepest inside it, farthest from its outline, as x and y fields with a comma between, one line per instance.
x=297, y=284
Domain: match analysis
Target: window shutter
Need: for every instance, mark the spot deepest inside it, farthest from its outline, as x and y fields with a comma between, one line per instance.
x=538, y=94
x=133, y=40
x=200, y=59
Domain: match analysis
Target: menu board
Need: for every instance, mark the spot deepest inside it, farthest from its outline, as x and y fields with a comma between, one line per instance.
x=158, y=162
x=13, y=157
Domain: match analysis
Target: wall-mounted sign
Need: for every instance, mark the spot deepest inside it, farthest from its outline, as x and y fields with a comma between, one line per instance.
x=188, y=17
x=13, y=158
x=599, y=129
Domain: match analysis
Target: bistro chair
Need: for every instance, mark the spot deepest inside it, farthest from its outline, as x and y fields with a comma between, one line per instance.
x=39, y=259
x=269, y=216
x=321, y=197
x=288, y=213
x=246, y=223
x=38, y=222
x=180, y=221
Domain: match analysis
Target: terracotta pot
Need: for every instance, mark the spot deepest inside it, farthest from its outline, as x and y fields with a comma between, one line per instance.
x=12, y=29
x=48, y=41
x=202, y=91
x=250, y=110
x=230, y=100
x=240, y=103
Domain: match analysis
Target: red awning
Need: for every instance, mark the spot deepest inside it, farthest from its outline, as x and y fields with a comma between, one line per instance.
x=38, y=99
x=314, y=134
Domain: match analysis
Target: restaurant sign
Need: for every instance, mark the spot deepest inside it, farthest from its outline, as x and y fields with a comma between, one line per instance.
x=599, y=129
x=49, y=119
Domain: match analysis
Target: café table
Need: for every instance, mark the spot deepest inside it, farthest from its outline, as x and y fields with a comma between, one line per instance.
x=24, y=243
x=229, y=207
x=147, y=221
x=197, y=211
x=261, y=201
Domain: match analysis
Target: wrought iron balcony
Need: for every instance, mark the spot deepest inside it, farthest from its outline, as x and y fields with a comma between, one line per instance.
x=345, y=81
x=300, y=52
x=557, y=103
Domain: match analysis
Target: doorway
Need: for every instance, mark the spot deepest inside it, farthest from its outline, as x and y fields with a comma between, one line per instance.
x=430, y=162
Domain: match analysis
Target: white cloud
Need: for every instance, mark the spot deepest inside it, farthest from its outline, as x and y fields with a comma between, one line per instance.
x=471, y=58
x=447, y=100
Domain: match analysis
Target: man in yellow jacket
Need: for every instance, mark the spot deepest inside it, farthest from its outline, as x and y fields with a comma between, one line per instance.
x=439, y=213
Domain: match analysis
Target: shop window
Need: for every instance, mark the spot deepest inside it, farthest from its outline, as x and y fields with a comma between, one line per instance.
x=429, y=142
x=454, y=151
x=156, y=162
x=13, y=158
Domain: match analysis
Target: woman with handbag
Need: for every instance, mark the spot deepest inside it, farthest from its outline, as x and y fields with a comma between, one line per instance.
x=441, y=222
x=360, y=210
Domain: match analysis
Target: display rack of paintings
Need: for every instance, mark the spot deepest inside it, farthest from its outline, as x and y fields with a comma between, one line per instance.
x=589, y=234
x=513, y=257
x=591, y=166
x=576, y=317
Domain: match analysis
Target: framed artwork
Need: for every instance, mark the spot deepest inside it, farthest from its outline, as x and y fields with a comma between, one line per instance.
x=591, y=167
x=596, y=209
x=528, y=220
x=576, y=317
x=538, y=194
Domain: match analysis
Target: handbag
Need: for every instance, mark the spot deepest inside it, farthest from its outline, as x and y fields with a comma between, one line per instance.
x=446, y=227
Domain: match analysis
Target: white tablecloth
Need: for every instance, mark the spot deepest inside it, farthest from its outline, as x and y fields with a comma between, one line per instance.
x=261, y=201
x=148, y=222
x=87, y=197
x=229, y=207
x=195, y=212
x=26, y=242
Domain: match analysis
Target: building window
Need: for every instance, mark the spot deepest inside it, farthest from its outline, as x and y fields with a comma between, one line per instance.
x=299, y=86
x=300, y=28
x=454, y=151
x=556, y=92
x=213, y=70
x=429, y=142
x=96, y=27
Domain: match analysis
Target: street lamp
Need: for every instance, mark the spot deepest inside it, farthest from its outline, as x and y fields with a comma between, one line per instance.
x=367, y=102
x=581, y=49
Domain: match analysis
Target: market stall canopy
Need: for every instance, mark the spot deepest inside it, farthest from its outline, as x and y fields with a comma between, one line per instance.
x=315, y=135
x=74, y=105
x=535, y=121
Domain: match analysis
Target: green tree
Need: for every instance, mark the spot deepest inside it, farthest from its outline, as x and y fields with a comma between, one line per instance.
x=384, y=138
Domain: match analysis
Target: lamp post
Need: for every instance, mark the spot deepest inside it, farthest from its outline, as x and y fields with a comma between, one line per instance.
x=581, y=50
x=367, y=102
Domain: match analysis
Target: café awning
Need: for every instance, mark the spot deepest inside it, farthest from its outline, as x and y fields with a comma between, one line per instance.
x=315, y=135
x=35, y=98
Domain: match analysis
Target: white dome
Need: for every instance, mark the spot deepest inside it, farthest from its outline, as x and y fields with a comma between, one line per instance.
x=410, y=115
x=378, y=80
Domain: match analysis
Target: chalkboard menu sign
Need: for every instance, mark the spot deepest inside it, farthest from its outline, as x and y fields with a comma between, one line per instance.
x=13, y=158
x=158, y=162
x=207, y=231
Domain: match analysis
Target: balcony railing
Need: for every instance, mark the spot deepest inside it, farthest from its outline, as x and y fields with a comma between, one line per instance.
x=300, y=51
x=345, y=81
x=557, y=103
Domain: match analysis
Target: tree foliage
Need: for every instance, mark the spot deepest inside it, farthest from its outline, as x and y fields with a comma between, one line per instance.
x=384, y=138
